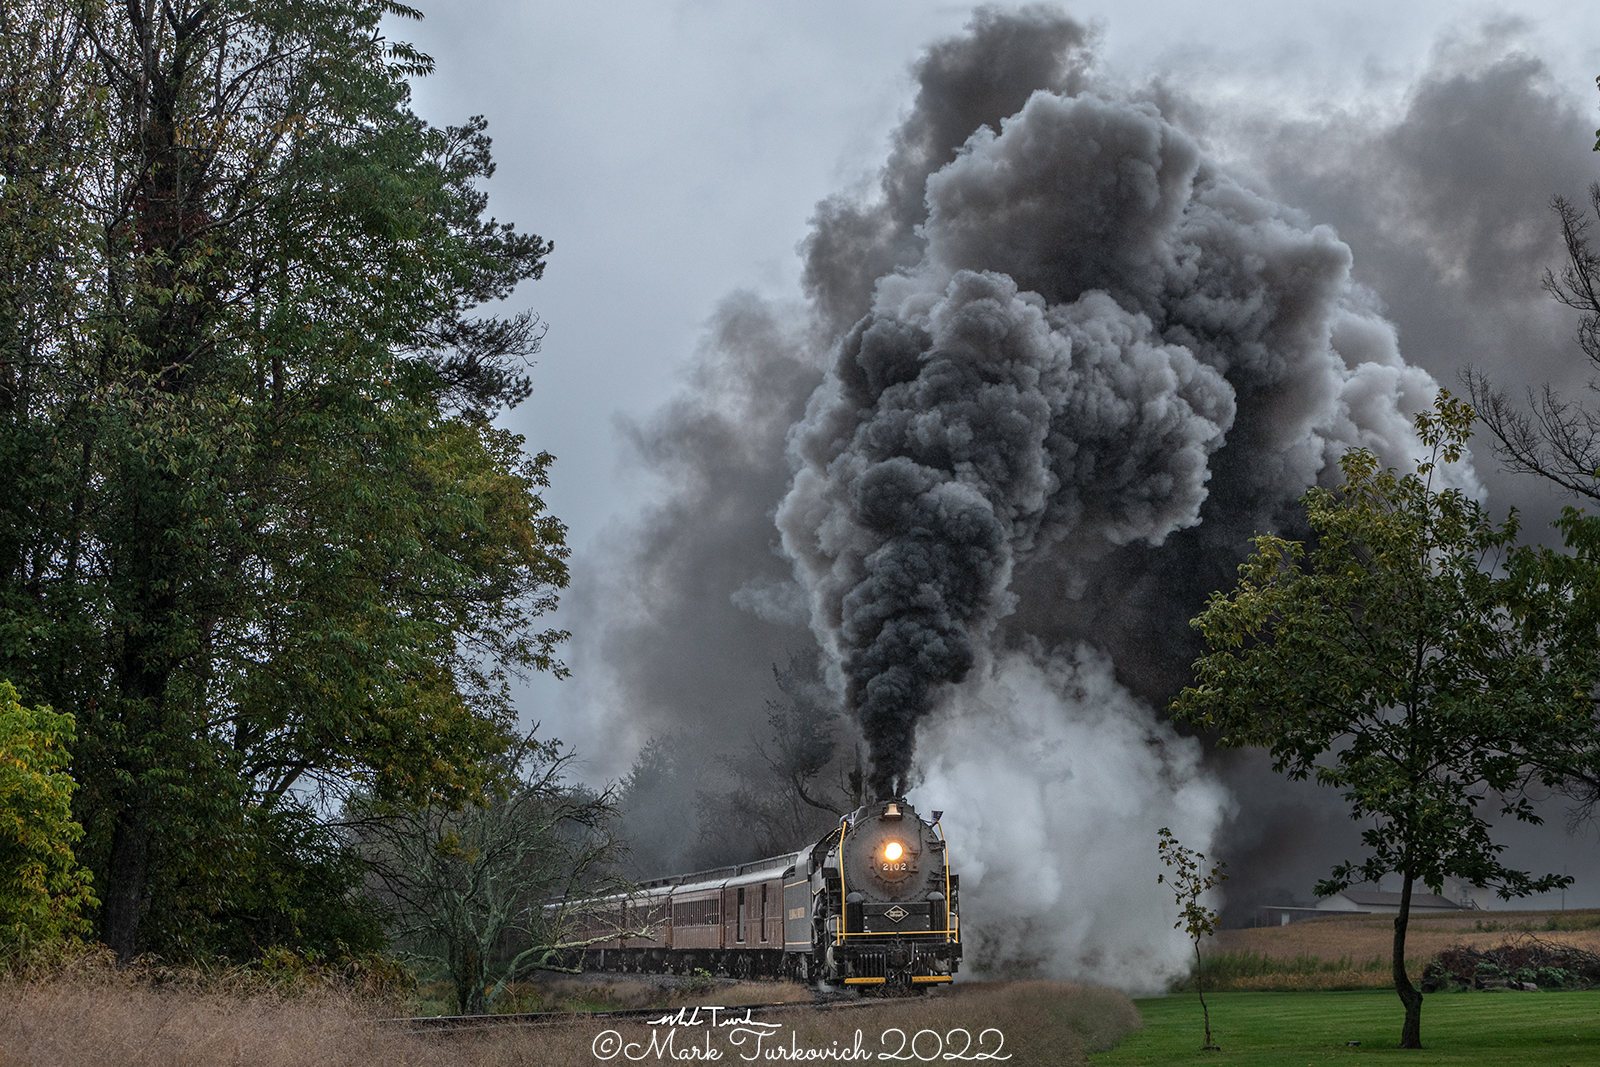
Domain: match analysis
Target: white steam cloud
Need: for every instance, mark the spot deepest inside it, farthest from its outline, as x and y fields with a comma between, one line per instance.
x=1057, y=780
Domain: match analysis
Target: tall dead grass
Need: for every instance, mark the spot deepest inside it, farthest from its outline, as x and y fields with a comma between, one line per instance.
x=82, y=1021
x=1353, y=951
x=1363, y=937
x=1254, y=971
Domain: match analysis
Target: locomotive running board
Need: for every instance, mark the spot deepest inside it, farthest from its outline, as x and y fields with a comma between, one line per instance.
x=930, y=978
x=863, y=981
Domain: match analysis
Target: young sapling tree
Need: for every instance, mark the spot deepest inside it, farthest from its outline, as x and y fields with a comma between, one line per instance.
x=1190, y=881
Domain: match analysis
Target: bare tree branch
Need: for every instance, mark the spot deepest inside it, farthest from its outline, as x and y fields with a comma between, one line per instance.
x=493, y=891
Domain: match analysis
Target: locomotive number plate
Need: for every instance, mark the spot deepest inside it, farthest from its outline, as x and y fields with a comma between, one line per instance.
x=901, y=866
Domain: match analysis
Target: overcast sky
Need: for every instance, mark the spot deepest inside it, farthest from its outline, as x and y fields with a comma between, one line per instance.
x=675, y=151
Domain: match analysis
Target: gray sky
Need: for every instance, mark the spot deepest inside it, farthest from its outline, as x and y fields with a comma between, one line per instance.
x=675, y=151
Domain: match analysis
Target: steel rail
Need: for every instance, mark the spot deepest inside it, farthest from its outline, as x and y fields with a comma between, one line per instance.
x=434, y=1024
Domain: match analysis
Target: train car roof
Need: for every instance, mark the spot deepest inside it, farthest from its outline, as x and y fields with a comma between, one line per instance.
x=754, y=871
x=697, y=881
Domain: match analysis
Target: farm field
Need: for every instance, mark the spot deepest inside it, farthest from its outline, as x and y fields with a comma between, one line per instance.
x=1352, y=951
x=1491, y=1029
x=1363, y=937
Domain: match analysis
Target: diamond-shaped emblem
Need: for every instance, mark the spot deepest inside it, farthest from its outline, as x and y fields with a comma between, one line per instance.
x=896, y=913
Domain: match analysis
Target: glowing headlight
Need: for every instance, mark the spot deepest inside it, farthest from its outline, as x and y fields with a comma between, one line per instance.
x=893, y=851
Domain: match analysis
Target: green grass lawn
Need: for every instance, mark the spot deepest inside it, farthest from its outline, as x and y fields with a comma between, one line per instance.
x=1487, y=1029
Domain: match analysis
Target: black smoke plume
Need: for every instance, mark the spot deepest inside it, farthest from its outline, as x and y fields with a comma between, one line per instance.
x=960, y=438
x=1095, y=310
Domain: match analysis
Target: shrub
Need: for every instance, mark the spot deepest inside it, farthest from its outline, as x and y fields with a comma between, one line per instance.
x=43, y=891
x=1525, y=958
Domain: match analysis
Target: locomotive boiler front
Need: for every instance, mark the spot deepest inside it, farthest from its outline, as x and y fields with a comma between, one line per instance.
x=886, y=900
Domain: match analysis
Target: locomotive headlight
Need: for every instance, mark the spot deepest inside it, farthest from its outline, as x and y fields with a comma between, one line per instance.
x=893, y=851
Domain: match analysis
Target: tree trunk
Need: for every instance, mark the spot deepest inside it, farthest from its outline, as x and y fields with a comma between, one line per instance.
x=1410, y=996
x=153, y=560
x=124, y=891
x=1200, y=987
x=139, y=711
x=469, y=980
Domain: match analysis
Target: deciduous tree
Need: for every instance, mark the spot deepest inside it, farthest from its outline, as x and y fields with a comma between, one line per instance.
x=1190, y=881
x=1393, y=660
x=494, y=890
x=1557, y=438
x=1554, y=437
x=258, y=534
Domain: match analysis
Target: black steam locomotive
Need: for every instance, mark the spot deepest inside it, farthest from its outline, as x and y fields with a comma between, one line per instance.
x=871, y=904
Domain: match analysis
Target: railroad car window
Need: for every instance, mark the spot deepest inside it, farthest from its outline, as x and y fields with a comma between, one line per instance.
x=738, y=934
x=696, y=913
x=763, y=911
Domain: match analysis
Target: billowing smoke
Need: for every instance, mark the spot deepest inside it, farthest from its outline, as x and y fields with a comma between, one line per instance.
x=1096, y=311
x=968, y=426
x=1448, y=209
x=1073, y=365
x=702, y=571
x=964, y=84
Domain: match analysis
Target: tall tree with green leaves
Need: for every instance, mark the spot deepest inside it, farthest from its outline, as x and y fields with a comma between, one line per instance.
x=260, y=536
x=1572, y=643
x=1557, y=438
x=1403, y=657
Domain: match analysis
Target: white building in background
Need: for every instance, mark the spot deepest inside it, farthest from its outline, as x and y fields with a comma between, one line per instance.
x=1455, y=895
x=1374, y=902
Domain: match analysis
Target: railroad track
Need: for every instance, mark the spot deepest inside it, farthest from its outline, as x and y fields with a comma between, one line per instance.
x=440, y=1024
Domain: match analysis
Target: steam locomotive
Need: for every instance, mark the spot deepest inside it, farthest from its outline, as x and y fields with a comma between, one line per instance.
x=872, y=904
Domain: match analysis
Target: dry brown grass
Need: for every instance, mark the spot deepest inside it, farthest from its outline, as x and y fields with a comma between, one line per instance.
x=1354, y=950
x=81, y=1022
x=1365, y=937
x=1321, y=981
x=1043, y=1020
x=75, y=1024
x=1044, y=1023
x=604, y=994
x=784, y=992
